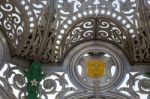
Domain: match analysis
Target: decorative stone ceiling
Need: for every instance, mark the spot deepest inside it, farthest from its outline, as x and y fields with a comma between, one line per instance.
x=46, y=30
x=90, y=49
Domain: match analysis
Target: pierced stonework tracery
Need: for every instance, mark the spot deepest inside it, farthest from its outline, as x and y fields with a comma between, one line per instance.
x=11, y=23
x=99, y=28
x=109, y=34
x=47, y=24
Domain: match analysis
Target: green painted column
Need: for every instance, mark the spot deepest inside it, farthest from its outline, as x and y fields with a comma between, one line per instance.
x=34, y=76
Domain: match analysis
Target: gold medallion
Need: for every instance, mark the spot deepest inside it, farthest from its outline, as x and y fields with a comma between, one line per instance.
x=96, y=68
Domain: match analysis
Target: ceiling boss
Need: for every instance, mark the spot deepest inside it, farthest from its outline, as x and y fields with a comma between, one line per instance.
x=96, y=68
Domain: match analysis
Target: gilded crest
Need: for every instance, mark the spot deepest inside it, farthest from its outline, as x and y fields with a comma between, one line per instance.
x=96, y=68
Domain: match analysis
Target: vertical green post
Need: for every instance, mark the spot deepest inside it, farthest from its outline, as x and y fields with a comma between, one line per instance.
x=34, y=76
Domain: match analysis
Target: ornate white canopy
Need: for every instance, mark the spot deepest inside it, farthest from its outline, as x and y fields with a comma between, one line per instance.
x=64, y=35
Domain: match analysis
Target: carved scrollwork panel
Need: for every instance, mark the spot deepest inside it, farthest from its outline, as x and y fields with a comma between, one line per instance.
x=137, y=84
x=127, y=12
x=38, y=45
x=25, y=24
x=84, y=30
x=48, y=54
x=98, y=28
x=18, y=81
x=32, y=43
x=113, y=32
x=143, y=27
x=11, y=22
x=55, y=83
